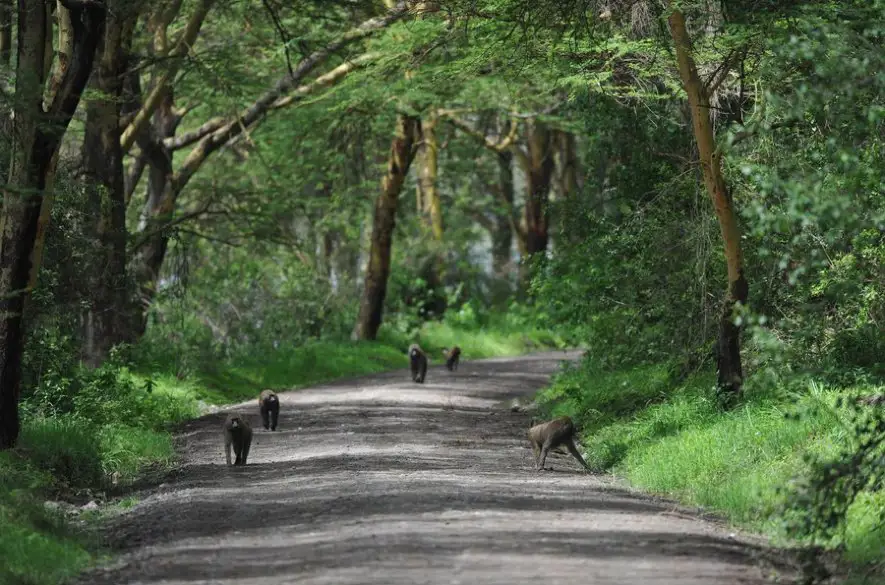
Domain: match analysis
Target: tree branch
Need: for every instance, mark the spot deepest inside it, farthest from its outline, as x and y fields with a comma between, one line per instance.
x=506, y=143
x=145, y=236
x=182, y=47
x=266, y=102
x=321, y=82
x=87, y=21
x=133, y=177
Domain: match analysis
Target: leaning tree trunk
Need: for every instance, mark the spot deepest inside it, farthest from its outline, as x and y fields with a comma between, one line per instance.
x=106, y=315
x=5, y=32
x=567, y=164
x=730, y=372
x=539, y=175
x=428, y=175
x=149, y=252
x=375, y=288
x=36, y=138
x=538, y=167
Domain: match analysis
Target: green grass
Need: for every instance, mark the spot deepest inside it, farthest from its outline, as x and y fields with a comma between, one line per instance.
x=290, y=368
x=84, y=445
x=37, y=545
x=55, y=457
x=671, y=438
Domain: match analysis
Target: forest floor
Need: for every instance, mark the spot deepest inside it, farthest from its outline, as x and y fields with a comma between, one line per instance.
x=380, y=480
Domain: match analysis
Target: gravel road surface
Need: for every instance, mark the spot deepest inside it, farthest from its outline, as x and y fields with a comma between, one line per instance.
x=379, y=480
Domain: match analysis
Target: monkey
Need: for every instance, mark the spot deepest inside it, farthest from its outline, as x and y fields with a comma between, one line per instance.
x=237, y=431
x=269, y=405
x=552, y=434
x=453, y=356
x=417, y=363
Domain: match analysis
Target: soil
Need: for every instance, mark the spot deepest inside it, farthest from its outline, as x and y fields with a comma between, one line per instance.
x=379, y=480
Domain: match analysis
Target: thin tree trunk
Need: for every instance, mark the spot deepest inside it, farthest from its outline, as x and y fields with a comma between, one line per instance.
x=106, y=317
x=159, y=209
x=502, y=240
x=567, y=164
x=539, y=175
x=383, y=222
x=6, y=32
x=730, y=371
x=36, y=139
x=428, y=174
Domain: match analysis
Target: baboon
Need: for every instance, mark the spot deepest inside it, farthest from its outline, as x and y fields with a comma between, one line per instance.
x=269, y=405
x=417, y=363
x=237, y=431
x=552, y=434
x=453, y=356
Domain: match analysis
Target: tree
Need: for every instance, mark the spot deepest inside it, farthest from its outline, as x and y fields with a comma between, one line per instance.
x=729, y=367
x=107, y=316
x=402, y=152
x=166, y=185
x=36, y=138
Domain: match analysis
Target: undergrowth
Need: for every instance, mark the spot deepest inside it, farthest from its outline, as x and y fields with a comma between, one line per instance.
x=668, y=435
x=90, y=433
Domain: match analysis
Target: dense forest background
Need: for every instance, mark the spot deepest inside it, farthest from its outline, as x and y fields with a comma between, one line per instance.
x=205, y=198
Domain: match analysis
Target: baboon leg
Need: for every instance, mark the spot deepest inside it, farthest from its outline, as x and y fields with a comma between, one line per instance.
x=227, y=450
x=536, y=451
x=274, y=416
x=423, y=370
x=573, y=449
x=264, y=415
x=238, y=451
x=544, y=450
x=246, y=448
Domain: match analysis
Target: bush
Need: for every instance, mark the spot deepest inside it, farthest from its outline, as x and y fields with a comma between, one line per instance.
x=66, y=447
x=37, y=545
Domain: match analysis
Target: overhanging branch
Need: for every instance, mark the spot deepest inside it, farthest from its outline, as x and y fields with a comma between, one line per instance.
x=254, y=113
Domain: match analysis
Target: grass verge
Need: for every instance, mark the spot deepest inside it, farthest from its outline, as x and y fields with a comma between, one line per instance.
x=74, y=448
x=670, y=438
x=289, y=368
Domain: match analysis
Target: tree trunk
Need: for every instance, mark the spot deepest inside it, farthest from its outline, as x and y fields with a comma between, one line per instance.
x=567, y=164
x=36, y=139
x=383, y=222
x=502, y=240
x=106, y=317
x=427, y=177
x=730, y=371
x=158, y=211
x=5, y=32
x=539, y=175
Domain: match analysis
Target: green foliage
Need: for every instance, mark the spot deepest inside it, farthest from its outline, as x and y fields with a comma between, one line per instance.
x=66, y=447
x=671, y=438
x=37, y=544
x=819, y=505
x=594, y=397
x=104, y=396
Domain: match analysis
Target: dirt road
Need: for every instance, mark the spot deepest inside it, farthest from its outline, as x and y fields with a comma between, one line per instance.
x=379, y=480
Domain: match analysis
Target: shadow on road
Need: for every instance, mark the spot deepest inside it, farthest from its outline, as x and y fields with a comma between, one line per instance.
x=379, y=480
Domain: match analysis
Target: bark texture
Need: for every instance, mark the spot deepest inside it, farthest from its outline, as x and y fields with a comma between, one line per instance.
x=106, y=319
x=5, y=32
x=384, y=220
x=502, y=238
x=428, y=174
x=539, y=166
x=36, y=136
x=730, y=370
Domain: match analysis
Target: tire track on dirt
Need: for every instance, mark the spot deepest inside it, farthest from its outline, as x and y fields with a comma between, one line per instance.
x=378, y=480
